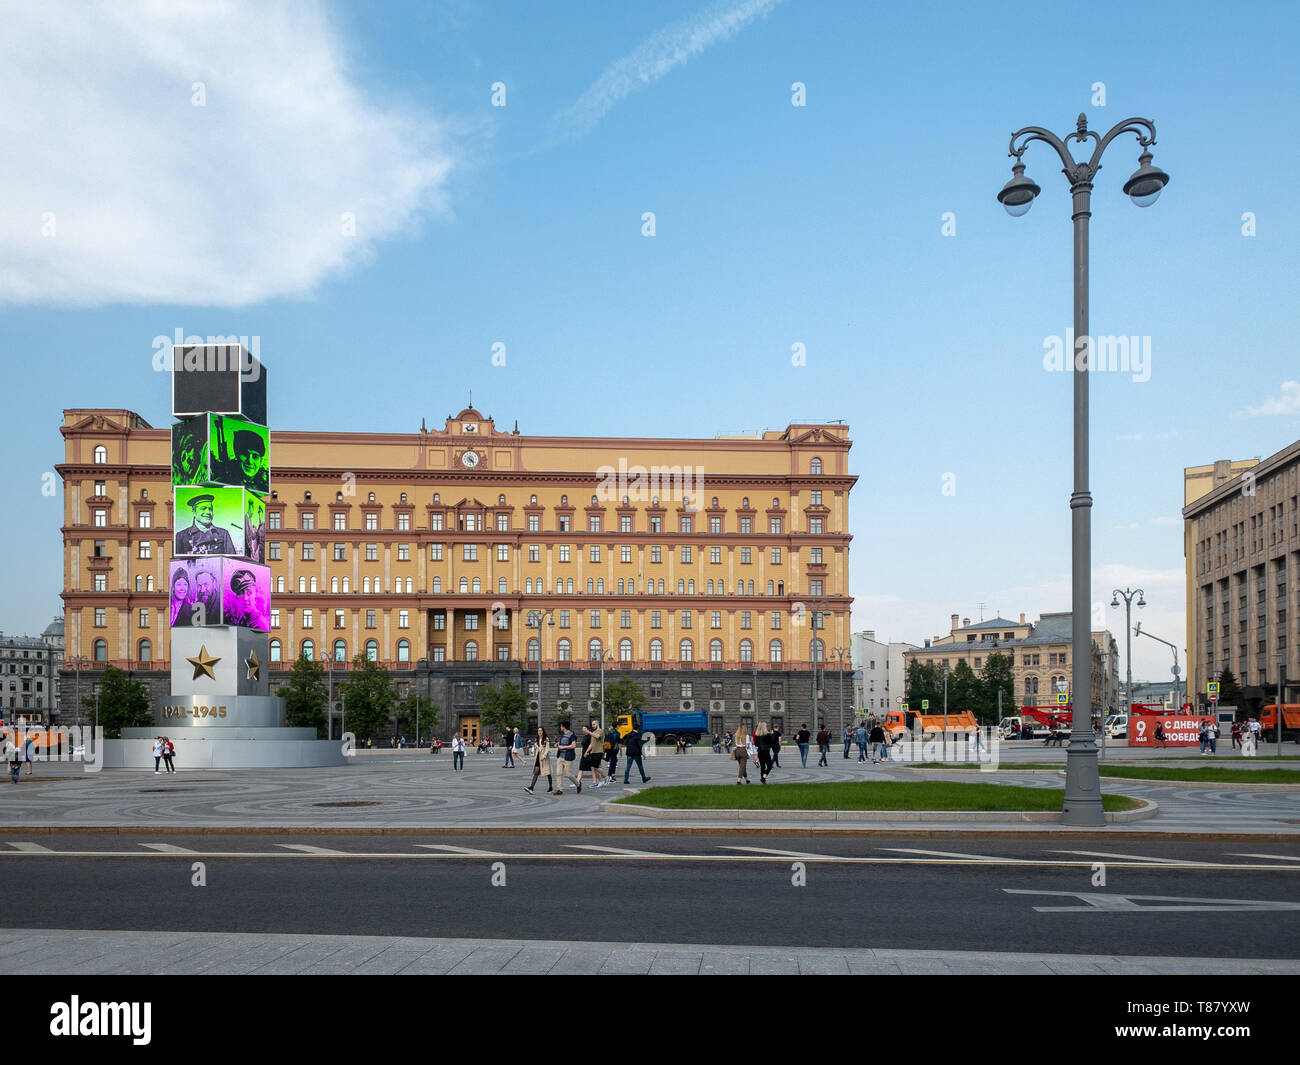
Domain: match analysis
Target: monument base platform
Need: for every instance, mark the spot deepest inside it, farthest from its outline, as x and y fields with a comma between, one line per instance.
x=226, y=748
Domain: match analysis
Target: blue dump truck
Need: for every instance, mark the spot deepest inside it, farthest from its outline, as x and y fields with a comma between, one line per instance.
x=689, y=725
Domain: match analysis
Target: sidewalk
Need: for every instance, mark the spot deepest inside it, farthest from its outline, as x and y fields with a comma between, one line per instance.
x=155, y=952
x=414, y=791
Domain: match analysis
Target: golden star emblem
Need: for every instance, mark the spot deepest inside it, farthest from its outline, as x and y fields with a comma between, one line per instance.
x=203, y=664
x=254, y=666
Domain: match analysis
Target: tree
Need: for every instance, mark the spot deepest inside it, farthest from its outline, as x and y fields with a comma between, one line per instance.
x=963, y=689
x=368, y=699
x=305, y=696
x=997, y=676
x=1230, y=693
x=416, y=724
x=924, y=681
x=501, y=707
x=123, y=703
x=622, y=697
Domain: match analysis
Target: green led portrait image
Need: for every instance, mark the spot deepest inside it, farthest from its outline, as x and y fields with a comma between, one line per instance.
x=190, y=450
x=238, y=453
x=209, y=521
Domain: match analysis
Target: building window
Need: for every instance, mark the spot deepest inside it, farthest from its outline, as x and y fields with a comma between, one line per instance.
x=686, y=619
x=372, y=552
x=815, y=587
x=564, y=617
x=145, y=519
x=815, y=558
x=275, y=617
x=595, y=619
x=534, y=553
x=403, y=619
x=746, y=525
x=776, y=619
x=656, y=554
x=715, y=650
x=440, y=654
x=686, y=651
x=275, y=650
x=143, y=620
x=815, y=467
x=503, y=552
x=715, y=619
x=815, y=526
x=435, y=552
x=686, y=554
x=656, y=650
x=435, y=522
x=593, y=523
x=308, y=650
x=403, y=525
x=372, y=650
x=101, y=455
x=101, y=651
x=625, y=619
x=746, y=652
x=471, y=650
x=273, y=520
x=594, y=650
x=439, y=620
x=100, y=519
x=687, y=689
x=564, y=650
x=469, y=552
x=774, y=525
x=594, y=554
x=372, y=522
x=625, y=553
x=471, y=622
x=776, y=556
x=656, y=619
x=403, y=552
x=625, y=523
x=308, y=552
x=774, y=651
x=625, y=650
x=306, y=619
x=340, y=521
x=101, y=582
x=308, y=520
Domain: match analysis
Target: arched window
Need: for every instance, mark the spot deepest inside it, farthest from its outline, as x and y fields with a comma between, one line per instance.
x=302, y=584
x=815, y=467
x=334, y=585
x=365, y=584
x=101, y=455
x=690, y=587
x=148, y=583
x=403, y=651
x=818, y=651
x=681, y=586
x=771, y=587
x=528, y=586
x=275, y=650
x=780, y=587
x=308, y=649
x=715, y=650
x=501, y=585
x=410, y=585
x=746, y=651
x=146, y=651
x=568, y=586
x=722, y=587
x=625, y=650
x=372, y=650
x=559, y=585
x=471, y=651
x=656, y=650
x=600, y=585
x=594, y=650
x=631, y=586
x=347, y=585
x=686, y=651
x=478, y=586
x=564, y=650
x=620, y=586
x=591, y=586
x=751, y=588
x=279, y=584
x=774, y=651
x=710, y=588
x=534, y=649
x=312, y=585
x=661, y=586
x=1031, y=685
x=437, y=585
x=464, y=584
x=340, y=651
x=139, y=582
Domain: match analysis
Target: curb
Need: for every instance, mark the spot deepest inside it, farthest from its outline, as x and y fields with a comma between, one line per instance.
x=999, y=817
x=1231, y=784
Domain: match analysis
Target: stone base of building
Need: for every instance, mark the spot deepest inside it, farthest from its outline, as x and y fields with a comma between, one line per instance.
x=227, y=748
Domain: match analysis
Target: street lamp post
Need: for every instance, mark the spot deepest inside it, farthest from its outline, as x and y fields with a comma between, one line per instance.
x=840, y=652
x=1127, y=594
x=535, y=619
x=1082, y=783
x=604, y=655
x=1178, y=688
x=78, y=662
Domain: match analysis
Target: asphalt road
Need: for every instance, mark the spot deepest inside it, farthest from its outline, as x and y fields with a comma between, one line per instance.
x=1207, y=899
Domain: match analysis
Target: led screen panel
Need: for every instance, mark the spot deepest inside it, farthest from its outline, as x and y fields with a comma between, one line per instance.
x=209, y=521
x=246, y=594
x=194, y=592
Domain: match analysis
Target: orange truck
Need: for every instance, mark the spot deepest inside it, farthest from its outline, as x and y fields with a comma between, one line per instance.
x=898, y=722
x=1290, y=722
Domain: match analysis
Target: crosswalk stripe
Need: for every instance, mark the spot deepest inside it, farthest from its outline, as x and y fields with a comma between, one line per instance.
x=953, y=854
x=448, y=848
x=307, y=848
x=1128, y=857
x=617, y=850
x=168, y=848
x=781, y=853
x=31, y=848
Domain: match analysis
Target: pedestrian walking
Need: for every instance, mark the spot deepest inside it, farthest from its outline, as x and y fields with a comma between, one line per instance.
x=801, y=741
x=632, y=744
x=877, y=739
x=1236, y=735
x=593, y=755
x=611, y=753
x=542, y=762
x=1204, y=735
x=848, y=739
x=741, y=754
x=15, y=763
x=458, y=754
x=823, y=744
x=1250, y=739
x=28, y=744
x=763, y=744
x=157, y=753
x=566, y=751
x=508, y=742
x=1212, y=731
x=168, y=753
x=862, y=736
x=777, y=736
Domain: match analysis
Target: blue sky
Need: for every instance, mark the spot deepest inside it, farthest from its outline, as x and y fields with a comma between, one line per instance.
x=775, y=225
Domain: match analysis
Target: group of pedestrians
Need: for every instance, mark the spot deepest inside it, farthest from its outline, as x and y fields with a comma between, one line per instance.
x=872, y=741
x=762, y=747
x=163, y=750
x=599, y=747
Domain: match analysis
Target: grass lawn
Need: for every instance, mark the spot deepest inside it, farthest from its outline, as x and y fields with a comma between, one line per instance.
x=1223, y=775
x=866, y=795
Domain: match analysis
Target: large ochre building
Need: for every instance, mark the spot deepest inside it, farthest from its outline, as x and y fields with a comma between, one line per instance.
x=697, y=566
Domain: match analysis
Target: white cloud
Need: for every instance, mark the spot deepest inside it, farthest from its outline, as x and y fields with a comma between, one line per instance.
x=153, y=199
x=657, y=55
x=1287, y=403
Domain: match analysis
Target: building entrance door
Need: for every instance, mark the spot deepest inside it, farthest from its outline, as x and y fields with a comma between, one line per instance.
x=469, y=730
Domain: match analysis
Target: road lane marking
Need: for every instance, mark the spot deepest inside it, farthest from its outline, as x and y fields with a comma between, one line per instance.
x=31, y=848
x=449, y=849
x=960, y=854
x=307, y=848
x=1277, y=857
x=783, y=853
x=168, y=848
x=625, y=851
x=1095, y=901
x=1127, y=857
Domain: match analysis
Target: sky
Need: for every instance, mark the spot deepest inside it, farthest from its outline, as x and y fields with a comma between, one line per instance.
x=654, y=208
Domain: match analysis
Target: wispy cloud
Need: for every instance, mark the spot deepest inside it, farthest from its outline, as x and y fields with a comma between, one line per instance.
x=657, y=55
x=195, y=153
x=1287, y=403
x=1136, y=437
